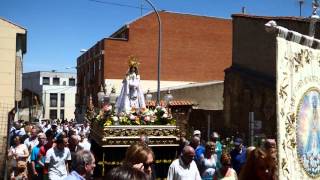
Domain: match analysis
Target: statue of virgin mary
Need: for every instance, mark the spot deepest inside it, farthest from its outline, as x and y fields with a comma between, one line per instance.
x=131, y=95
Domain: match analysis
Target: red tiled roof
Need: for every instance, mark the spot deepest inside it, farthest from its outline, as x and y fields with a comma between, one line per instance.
x=172, y=103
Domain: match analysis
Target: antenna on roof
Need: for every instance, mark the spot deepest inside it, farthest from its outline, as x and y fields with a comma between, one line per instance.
x=300, y=6
x=141, y=7
x=243, y=10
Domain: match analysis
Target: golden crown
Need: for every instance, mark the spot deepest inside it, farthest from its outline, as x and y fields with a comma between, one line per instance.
x=133, y=61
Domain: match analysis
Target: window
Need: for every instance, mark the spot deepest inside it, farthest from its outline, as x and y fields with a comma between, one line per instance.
x=53, y=114
x=53, y=99
x=62, y=100
x=45, y=81
x=56, y=81
x=62, y=114
x=72, y=82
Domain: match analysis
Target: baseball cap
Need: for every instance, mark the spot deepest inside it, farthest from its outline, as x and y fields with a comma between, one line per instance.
x=196, y=132
x=54, y=124
x=215, y=135
x=238, y=141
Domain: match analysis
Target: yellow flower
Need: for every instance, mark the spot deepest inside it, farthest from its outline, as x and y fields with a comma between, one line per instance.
x=108, y=123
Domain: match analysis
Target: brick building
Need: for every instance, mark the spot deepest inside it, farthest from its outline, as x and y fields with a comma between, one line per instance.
x=250, y=82
x=194, y=49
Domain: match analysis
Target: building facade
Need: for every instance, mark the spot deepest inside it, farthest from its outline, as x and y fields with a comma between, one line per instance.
x=250, y=82
x=57, y=91
x=194, y=49
x=13, y=40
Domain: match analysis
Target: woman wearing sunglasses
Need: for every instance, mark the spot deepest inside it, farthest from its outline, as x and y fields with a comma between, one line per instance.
x=225, y=172
x=141, y=157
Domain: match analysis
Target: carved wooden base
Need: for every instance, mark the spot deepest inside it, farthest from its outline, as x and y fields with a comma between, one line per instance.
x=124, y=136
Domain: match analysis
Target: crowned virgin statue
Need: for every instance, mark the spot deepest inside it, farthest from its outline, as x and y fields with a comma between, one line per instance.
x=131, y=95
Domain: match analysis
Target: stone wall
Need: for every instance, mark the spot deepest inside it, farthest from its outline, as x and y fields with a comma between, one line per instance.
x=249, y=92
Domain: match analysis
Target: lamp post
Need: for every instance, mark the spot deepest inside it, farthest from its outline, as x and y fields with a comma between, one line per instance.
x=159, y=51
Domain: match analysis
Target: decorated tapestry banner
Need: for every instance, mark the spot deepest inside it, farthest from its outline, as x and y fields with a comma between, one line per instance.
x=298, y=110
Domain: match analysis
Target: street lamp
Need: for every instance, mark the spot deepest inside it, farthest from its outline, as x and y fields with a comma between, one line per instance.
x=113, y=96
x=159, y=51
x=100, y=96
x=148, y=97
x=168, y=97
x=314, y=17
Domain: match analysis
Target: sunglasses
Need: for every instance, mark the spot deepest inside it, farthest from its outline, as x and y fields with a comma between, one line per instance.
x=226, y=164
x=147, y=165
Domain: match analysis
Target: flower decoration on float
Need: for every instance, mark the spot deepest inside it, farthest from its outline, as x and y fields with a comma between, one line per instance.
x=107, y=117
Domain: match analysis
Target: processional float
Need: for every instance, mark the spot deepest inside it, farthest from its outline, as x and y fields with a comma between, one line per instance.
x=116, y=126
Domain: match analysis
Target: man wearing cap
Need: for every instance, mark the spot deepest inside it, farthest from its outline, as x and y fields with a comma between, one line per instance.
x=215, y=138
x=197, y=133
x=199, y=149
x=238, y=155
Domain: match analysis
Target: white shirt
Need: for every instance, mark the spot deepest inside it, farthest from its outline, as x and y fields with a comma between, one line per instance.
x=179, y=171
x=85, y=144
x=56, y=160
x=31, y=143
x=208, y=166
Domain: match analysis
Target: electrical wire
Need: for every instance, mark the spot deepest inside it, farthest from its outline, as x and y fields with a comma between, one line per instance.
x=119, y=4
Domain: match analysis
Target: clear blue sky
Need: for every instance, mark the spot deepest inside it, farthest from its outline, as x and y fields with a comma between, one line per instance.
x=58, y=29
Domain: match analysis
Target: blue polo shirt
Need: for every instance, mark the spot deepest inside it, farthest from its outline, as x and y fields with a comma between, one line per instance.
x=199, y=151
x=238, y=159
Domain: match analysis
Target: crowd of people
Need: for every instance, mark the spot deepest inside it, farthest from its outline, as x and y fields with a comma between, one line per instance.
x=45, y=150
x=202, y=161
x=211, y=160
x=61, y=150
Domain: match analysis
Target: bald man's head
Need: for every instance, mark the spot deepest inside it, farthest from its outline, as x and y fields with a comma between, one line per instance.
x=187, y=154
x=195, y=142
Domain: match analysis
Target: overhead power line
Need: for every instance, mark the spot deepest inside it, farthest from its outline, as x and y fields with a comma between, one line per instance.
x=119, y=4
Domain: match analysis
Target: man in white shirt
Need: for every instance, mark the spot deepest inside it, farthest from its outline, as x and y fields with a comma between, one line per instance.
x=56, y=159
x=184, y=168
x=32, y=141
x=84, y=142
